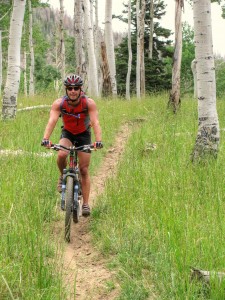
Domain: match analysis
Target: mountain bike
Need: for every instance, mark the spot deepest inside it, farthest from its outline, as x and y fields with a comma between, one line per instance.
x=71, y=196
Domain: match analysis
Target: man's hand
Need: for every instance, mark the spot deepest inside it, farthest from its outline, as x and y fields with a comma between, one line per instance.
x=98, y=145
x=46, y=143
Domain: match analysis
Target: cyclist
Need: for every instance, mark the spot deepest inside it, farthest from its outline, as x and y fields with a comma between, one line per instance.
x=79, y=113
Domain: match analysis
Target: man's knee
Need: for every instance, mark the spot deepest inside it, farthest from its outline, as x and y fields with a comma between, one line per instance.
x=62, y=155
x=84, y=171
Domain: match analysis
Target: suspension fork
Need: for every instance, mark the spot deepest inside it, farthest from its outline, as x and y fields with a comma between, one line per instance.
x=72, y=172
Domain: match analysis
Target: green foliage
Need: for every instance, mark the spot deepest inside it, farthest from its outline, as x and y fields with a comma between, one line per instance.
x=44, y=41
x=44, y=74
x=70, y=53
x=220, y=75
x=223, y=11
x=157, y=71
x=5, y=13
x=39, y=41
x=188, y=54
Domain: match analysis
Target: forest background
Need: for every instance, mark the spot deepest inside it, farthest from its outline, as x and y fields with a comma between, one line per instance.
x=158, y=70
x=160, y=216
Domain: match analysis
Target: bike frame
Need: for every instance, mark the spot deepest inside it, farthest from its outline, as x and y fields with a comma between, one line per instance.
x=72, y=171
x=72, y=193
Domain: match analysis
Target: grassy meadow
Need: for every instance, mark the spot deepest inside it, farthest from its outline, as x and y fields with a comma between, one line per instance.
x=159, y=217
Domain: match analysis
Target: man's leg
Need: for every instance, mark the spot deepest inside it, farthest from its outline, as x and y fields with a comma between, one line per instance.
x=62, y=155
x=84, y=161
x=62, y=161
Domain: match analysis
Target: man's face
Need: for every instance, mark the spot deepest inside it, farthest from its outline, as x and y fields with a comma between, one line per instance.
x=73, y=92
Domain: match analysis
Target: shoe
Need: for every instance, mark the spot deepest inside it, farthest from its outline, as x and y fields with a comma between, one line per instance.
x=86, y=210
x=59, y=184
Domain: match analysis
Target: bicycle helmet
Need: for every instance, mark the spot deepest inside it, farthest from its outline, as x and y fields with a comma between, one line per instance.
x=73, y=80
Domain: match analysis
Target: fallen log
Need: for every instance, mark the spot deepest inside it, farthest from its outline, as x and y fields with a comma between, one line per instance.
x=205, y=276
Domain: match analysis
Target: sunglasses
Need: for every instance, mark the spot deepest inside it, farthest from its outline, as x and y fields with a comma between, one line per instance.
x=75, y=88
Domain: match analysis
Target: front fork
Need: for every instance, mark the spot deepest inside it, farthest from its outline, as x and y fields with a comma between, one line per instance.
x=76, y=186
x=63, y=189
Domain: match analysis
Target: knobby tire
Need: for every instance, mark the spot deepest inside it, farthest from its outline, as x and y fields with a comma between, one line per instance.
x=69, y=205
x=77, y=205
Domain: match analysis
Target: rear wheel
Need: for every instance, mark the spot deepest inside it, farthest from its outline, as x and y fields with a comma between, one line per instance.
x=69, y=207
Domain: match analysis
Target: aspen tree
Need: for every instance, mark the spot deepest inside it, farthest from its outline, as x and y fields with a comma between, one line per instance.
x=207, y=140
x=25, y=73
x=130, y=53
x=89, y=38
x=194, y=72
x=138, y=62
x=79, y=39
x=140, y=66
x=61, y=46
x=31, y=47
x=110, y=45
x=151, y=31
x=142, y=50
x=0, y=62
x=174, y=99
x=11, y=89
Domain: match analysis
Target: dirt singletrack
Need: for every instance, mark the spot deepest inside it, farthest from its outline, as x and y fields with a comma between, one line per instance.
x=84, y=269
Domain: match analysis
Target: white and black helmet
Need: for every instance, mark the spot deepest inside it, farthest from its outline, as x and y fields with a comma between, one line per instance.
x=73, y=80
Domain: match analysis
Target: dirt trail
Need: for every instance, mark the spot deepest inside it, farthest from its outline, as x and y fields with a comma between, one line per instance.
x=83, y=265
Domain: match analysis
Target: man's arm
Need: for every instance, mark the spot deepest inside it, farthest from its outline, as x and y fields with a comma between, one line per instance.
x=93, y=113
x=54, y=116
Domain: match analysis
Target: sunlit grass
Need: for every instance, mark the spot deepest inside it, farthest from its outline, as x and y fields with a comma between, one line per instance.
x=160, y=216
x=29, y=265
x=163, y=214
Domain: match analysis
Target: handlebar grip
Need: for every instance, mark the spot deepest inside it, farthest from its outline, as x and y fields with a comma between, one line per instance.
x=43, y=144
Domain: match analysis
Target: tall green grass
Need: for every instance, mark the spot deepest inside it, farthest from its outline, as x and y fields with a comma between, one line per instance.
x=163, y=214
x=30, y=263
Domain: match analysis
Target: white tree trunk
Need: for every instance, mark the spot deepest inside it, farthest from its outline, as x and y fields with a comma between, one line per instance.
x=194, y=72
x=110, y=45
x=92, y=67
x=0, y=62
x=98, y=39
x=79, y=39
x=25, y=73
x=207, y=141
x=138, y=61
x=61, y=50
x=151, y=32
x=13, y=71
x=130, y=53
x=106, y=80
x=31, y=46
x=91, y=12
x=142, y=50
x=140, y=65
x=174, y=100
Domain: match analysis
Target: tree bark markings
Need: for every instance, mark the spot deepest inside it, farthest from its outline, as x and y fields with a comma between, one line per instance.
x=208, y=137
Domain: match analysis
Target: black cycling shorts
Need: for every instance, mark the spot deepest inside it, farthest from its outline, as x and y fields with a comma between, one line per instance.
x=80, y=139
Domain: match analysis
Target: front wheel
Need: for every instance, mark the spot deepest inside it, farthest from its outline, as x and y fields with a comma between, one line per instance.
x=77, y=205
x=69, y=207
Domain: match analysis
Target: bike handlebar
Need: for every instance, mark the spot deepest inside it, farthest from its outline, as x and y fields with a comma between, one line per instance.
x=58, y=147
